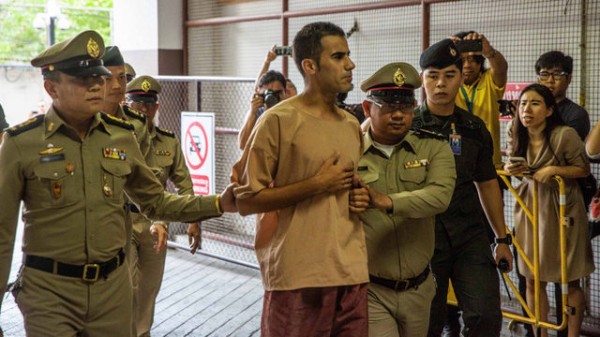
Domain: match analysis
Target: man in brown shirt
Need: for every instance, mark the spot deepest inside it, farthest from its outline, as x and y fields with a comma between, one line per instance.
x=313, y=259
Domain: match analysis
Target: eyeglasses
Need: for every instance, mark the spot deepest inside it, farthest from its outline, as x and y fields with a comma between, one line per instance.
x=141, y=105
x=392, y=107
x=544, y=75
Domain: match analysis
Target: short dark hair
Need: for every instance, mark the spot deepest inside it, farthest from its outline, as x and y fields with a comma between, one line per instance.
x=553, y=59
x=270, y=77
x=520, y=134
x=53, y=76
x=307, y=43
x=478, y=58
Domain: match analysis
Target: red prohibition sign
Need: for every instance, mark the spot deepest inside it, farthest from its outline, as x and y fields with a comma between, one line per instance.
x=193, y=149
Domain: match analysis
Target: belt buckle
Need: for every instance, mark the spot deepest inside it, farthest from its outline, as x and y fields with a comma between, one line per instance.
x=401, y=285
x=91, y=267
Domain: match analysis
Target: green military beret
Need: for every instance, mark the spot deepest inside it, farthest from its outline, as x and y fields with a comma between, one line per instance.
x=439, y=55
x=394, y=82
x=79, y=56
x=112, y=57
x=129, y=72
x=143, y=89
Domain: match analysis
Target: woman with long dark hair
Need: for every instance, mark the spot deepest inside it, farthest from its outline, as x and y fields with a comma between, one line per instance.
x=550, y=148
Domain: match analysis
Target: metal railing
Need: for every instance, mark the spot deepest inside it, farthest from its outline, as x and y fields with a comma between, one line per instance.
x=533, y=216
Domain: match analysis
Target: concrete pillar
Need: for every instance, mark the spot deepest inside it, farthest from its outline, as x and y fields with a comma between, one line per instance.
x=149, y=33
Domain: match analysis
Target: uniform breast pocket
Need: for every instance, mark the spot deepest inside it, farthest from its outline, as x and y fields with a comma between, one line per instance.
x=368, y=174
x=53, y=186
x=163, y=164
x=413, y=177
x=114, y=176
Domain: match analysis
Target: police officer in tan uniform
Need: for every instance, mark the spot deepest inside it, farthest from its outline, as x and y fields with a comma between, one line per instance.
x=116, y=83
x=71, y=168
x=147, y=265
x=3, y=125
x=129, y=72
x=410, y=175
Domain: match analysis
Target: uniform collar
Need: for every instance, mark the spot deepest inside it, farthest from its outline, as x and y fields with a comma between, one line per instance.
x=408, y=142
x=53, y=122
x=458, y=114
x=154, y=134
x=120, y=113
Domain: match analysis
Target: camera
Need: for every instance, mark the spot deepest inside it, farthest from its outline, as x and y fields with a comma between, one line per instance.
x=465, y=46
x=271, y=98
x=506, y=107
x=283, y=51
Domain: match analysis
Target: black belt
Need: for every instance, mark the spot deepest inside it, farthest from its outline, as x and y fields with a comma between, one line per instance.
x=401, y=285
x=88, y=272
x=132, y=207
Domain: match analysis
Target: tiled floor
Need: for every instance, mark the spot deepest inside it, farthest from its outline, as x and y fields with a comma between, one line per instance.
x=200, y=296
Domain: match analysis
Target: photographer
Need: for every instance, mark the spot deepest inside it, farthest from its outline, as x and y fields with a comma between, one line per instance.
x=271, y=89
x=482, y=87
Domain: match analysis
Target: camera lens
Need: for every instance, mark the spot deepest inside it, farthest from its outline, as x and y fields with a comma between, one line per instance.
x=271, y=99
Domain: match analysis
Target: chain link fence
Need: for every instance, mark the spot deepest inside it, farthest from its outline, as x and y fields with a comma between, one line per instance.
x=520, y=29
x=231, y=236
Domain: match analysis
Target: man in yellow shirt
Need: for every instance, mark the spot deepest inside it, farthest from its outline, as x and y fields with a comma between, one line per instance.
x=483, y=87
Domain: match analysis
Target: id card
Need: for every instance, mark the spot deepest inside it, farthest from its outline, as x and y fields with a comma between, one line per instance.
x=455, y=143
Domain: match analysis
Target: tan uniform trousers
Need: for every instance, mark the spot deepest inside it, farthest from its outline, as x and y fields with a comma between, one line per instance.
x=54, y=305
x=147, y=268
x=400, y=313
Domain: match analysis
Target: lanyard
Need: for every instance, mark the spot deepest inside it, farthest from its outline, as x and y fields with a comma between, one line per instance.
x=467, y=101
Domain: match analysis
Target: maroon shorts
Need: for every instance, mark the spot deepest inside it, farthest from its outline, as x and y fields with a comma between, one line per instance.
x=316, y=312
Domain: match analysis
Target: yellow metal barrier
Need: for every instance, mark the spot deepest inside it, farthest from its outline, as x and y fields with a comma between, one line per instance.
x=533, y=318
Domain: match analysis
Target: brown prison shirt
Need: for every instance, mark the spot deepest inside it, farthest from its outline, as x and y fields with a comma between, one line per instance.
x=316, y=242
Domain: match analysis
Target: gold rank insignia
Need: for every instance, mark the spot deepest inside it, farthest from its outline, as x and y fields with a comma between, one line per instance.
x=399, y=78
x=93, y=49
x=163, y=152
x=51, y=67
x=114, y=153
x=51, y=150
x=452, y=51
x=25, y=123
x=416, y=163
x=146, y=86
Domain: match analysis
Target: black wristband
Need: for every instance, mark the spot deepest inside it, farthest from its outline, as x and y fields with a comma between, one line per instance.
x=507, y=240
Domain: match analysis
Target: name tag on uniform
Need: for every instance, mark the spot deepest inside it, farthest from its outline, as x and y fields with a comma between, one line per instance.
x=52, y=157
x=416, y=163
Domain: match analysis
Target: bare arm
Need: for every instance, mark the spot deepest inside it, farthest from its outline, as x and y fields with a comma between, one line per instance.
x=331, y=178
x=498, y=64
x=250, y=121
x=545, y=174
x=592, y=142
x=491, y=201
x=271, y=56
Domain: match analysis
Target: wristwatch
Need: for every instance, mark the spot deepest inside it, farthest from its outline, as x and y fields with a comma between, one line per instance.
x=507, y=240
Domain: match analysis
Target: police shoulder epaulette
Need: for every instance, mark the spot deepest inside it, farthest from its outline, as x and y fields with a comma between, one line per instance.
x=134, y=114
x=116, y=121
x=27, y=125
x=165, y=132
x=423, y=133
